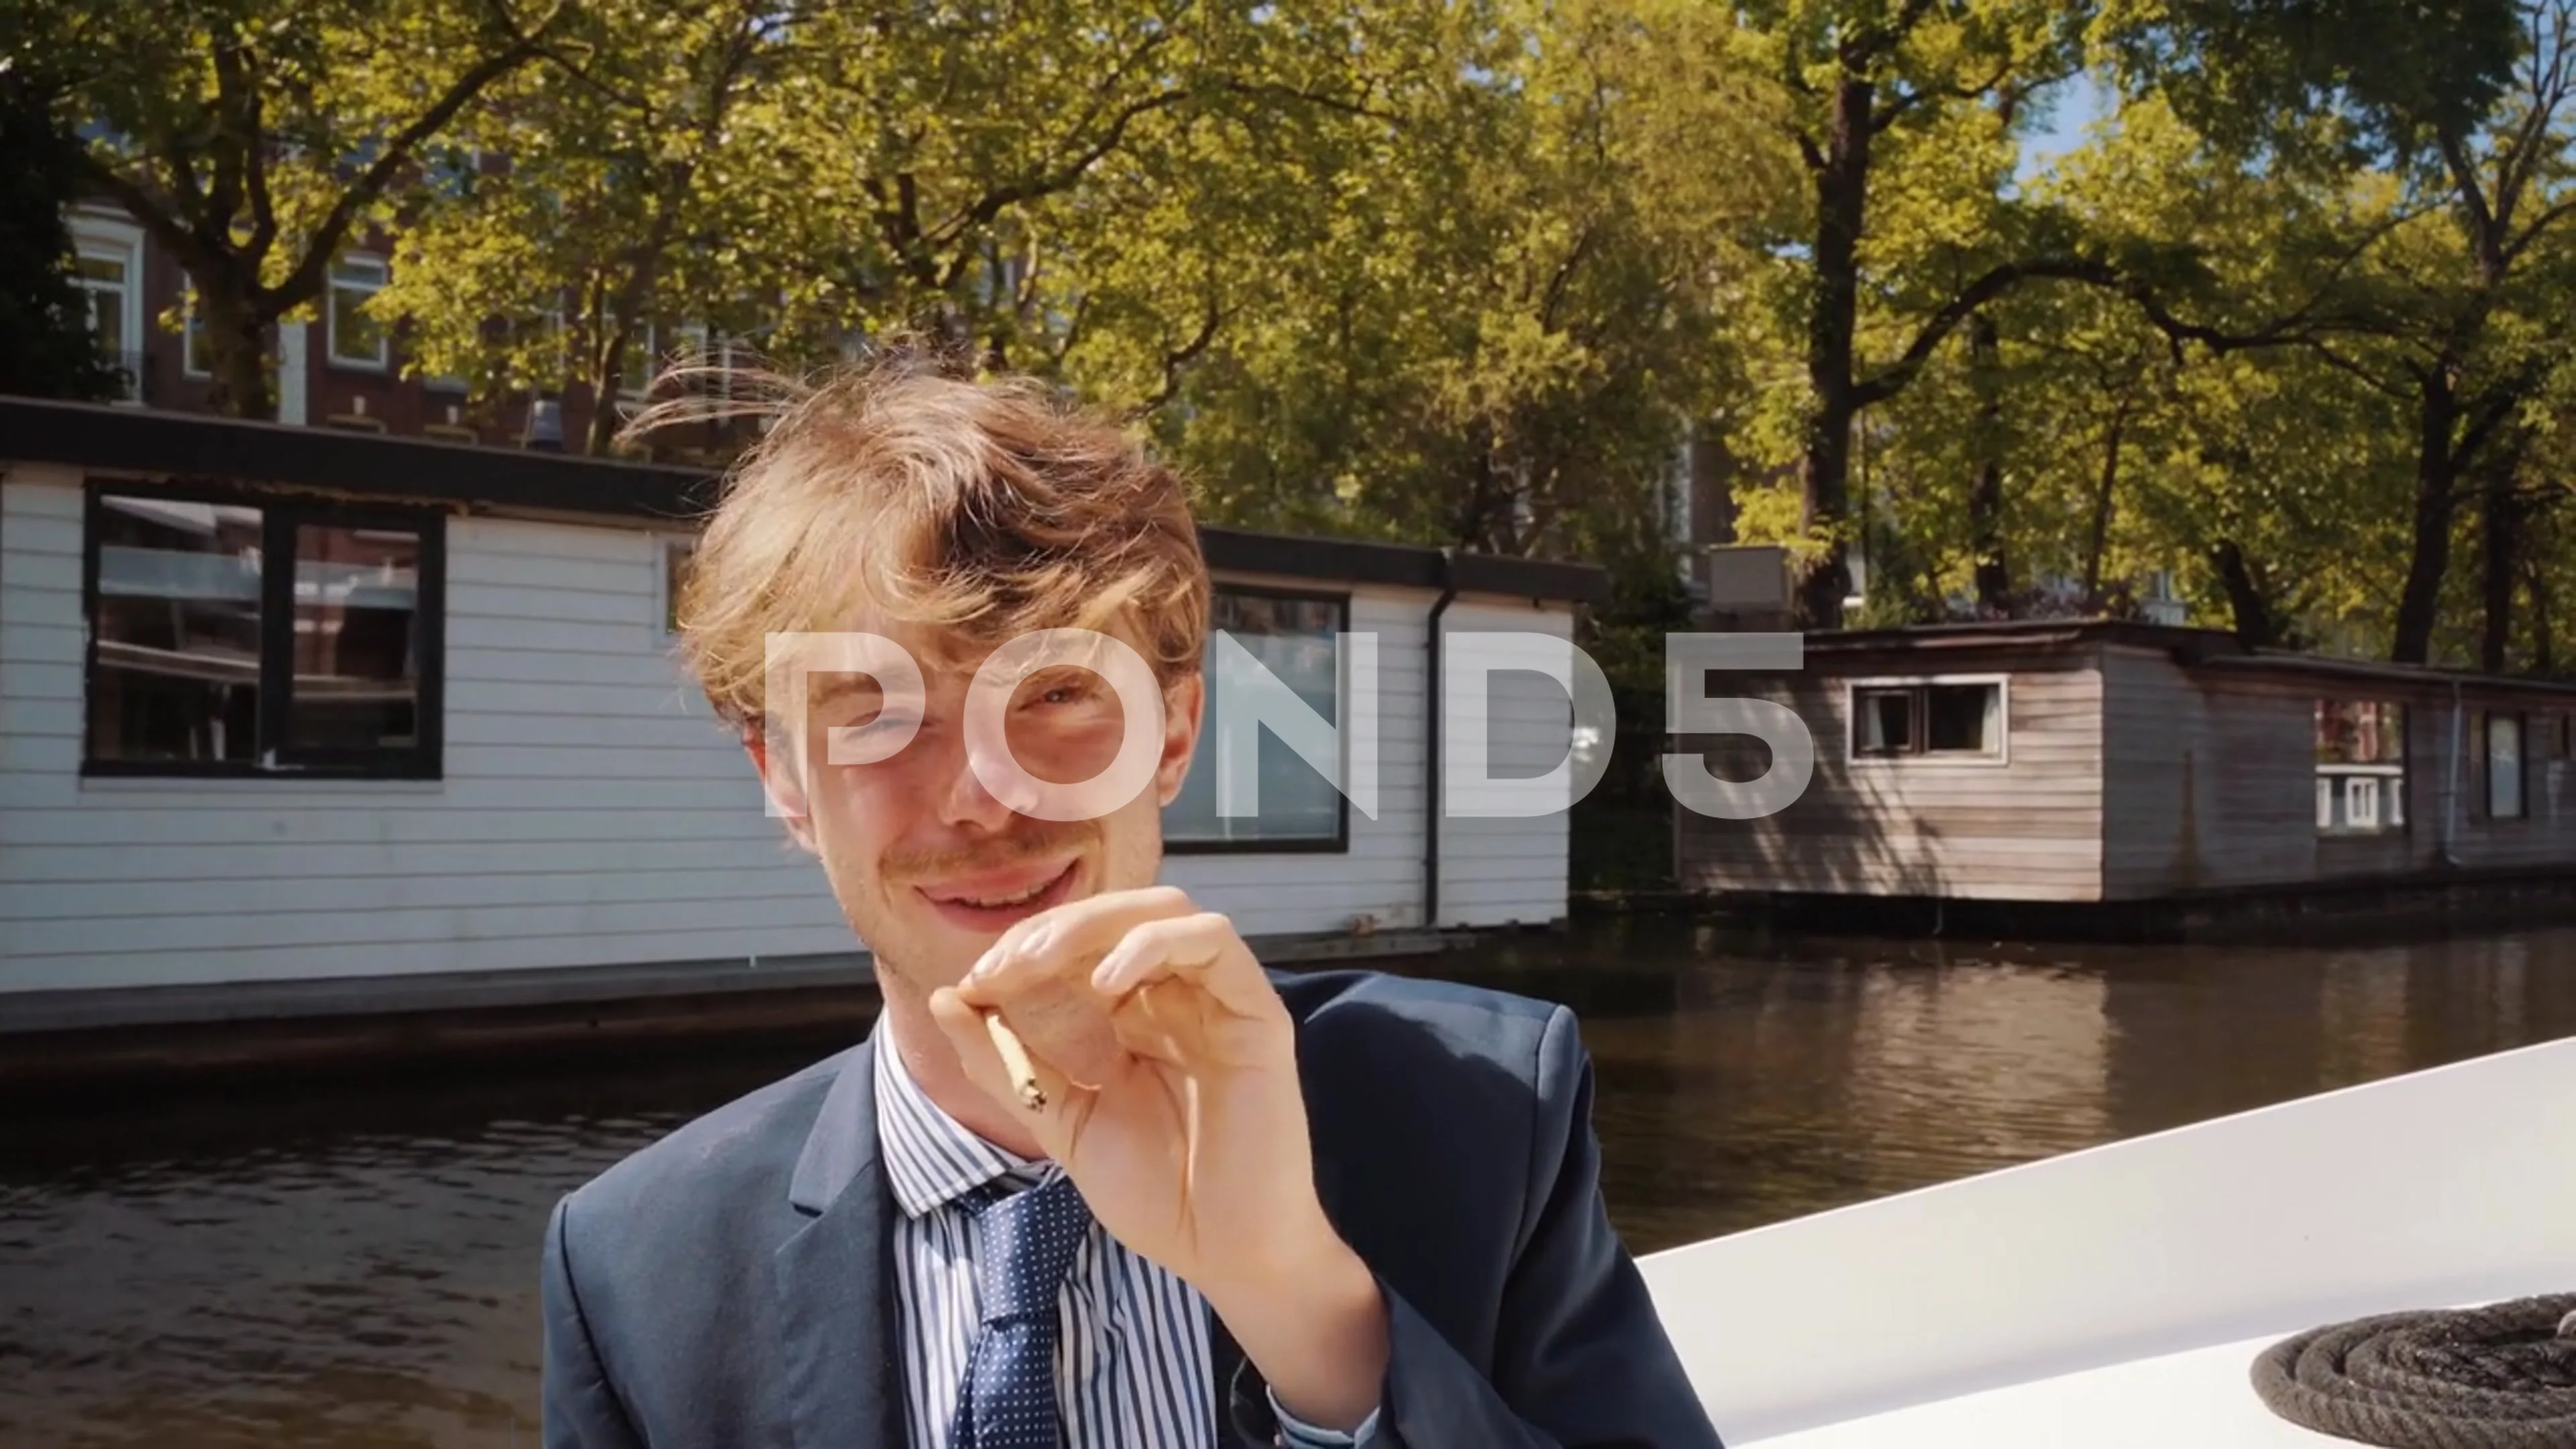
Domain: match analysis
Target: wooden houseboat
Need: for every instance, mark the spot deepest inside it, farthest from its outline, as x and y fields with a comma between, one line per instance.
x=2095, y=763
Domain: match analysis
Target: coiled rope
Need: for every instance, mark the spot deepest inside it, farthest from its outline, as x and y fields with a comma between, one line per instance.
x=2498, y=1377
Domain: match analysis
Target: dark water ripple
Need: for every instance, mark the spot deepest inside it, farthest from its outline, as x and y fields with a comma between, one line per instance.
x=356, y=1269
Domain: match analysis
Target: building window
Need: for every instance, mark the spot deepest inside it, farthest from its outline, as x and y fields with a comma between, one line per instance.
x=196, y=358
x=2361, y=766
x=357, y=338
x=1937, y=719
x=2504, y=757
x=707, y=358
x=107, y=265
x=1293, y=636
x=233, y=635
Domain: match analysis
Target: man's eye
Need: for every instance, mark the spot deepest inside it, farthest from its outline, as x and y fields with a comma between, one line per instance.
x=1070, y=692
x=878, y=723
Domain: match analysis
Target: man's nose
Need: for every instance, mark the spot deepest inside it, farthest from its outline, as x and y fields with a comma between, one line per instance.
x=967, y=800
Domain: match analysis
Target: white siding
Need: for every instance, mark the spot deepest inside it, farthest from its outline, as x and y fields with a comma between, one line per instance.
x=1380, y=877
x=1498, y=871
x=1492, y=872
x=591, y=813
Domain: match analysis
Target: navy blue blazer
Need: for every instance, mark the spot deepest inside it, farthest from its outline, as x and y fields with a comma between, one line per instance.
x=729, y=1286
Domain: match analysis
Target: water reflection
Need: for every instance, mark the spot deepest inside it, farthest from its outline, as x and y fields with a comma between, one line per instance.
x=356, y=1268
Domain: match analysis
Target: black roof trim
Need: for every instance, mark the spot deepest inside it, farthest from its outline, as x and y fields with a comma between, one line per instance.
x=142, y=440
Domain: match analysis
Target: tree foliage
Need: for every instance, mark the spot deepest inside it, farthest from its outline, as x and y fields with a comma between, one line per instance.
x=2282, y=342
x=255, y=139
x=50, y=349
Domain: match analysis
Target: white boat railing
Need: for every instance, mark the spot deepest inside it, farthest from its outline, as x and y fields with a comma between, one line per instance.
x=2436, y=1189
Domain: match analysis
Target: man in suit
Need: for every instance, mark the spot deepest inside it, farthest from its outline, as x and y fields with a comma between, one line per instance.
x=1096, y=1180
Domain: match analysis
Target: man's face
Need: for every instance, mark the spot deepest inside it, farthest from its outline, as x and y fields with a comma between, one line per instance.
x=928, y=864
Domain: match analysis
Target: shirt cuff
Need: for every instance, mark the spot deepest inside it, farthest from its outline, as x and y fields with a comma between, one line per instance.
x=1295, y=1433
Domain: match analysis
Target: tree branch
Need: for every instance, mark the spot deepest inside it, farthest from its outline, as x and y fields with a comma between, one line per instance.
x=1001, y=198
x=306, y=280
x=1563, y=275
x=2464, y=179
x=1272, y=90
x=2324, y=352
x=224, y=200
x=1173, y=362
x=1807, y=149
x=2002, y=279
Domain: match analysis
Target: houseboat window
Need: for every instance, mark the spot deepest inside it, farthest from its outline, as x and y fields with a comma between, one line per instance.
x=2504, y=767
x=2361, y=766
x=240, y=637
x=1291, y=635
x=1929, y=719
x=176, y=620
x=1883, y=721
x=1963, y=719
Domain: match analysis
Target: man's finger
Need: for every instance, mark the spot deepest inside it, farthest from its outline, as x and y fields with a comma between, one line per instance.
x=1202, y=950
x=1066, y=940
x=972, y=1038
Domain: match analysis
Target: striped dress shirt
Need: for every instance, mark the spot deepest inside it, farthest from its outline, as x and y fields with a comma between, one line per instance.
x=1132, y=1356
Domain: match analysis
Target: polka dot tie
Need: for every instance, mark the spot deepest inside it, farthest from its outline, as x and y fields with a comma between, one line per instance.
x=1028, y=1244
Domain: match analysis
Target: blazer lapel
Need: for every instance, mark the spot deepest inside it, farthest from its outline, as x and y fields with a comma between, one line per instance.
x=841, y=1357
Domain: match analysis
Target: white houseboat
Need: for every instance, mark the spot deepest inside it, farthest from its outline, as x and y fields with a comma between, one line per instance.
x=302, y=720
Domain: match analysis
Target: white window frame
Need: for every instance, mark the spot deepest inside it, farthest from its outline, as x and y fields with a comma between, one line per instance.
x=2374, y=795
x=108, y=238
x=694, y=336
x=384, y=358
x=188, y=327
x=2001, y=758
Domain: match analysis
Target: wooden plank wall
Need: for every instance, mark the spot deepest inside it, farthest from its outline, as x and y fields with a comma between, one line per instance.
x=2027, y=829
x=2204, y=786
x=2213, y=781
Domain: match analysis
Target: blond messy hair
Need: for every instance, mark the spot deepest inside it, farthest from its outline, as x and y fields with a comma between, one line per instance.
x=979, y=508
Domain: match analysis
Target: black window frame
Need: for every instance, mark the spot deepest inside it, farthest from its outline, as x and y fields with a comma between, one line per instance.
x=281, y=514
x=1339, y=843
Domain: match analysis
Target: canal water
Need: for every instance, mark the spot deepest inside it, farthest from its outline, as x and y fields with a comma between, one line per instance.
x=353, y=1268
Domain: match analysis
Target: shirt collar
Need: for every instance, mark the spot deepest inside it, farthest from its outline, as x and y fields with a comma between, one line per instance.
x=931, y=1158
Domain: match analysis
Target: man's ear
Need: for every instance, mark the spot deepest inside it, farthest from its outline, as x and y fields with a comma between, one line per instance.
x=783, y=783
x=1183, y=701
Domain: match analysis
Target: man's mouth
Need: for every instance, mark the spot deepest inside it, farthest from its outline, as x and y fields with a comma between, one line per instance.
x=991, y=901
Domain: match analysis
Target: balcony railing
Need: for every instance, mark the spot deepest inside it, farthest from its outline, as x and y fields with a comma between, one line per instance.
x=135, y=369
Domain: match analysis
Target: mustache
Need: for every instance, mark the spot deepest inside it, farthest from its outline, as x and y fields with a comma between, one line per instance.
x=1030, y=839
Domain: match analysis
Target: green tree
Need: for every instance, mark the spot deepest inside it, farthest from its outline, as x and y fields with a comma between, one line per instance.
x=1503, y=307
x=51, y=349
x=607, y=232
x=254, y=139
x=2477, y=309
x=1898, y=104
x=2264, y=479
